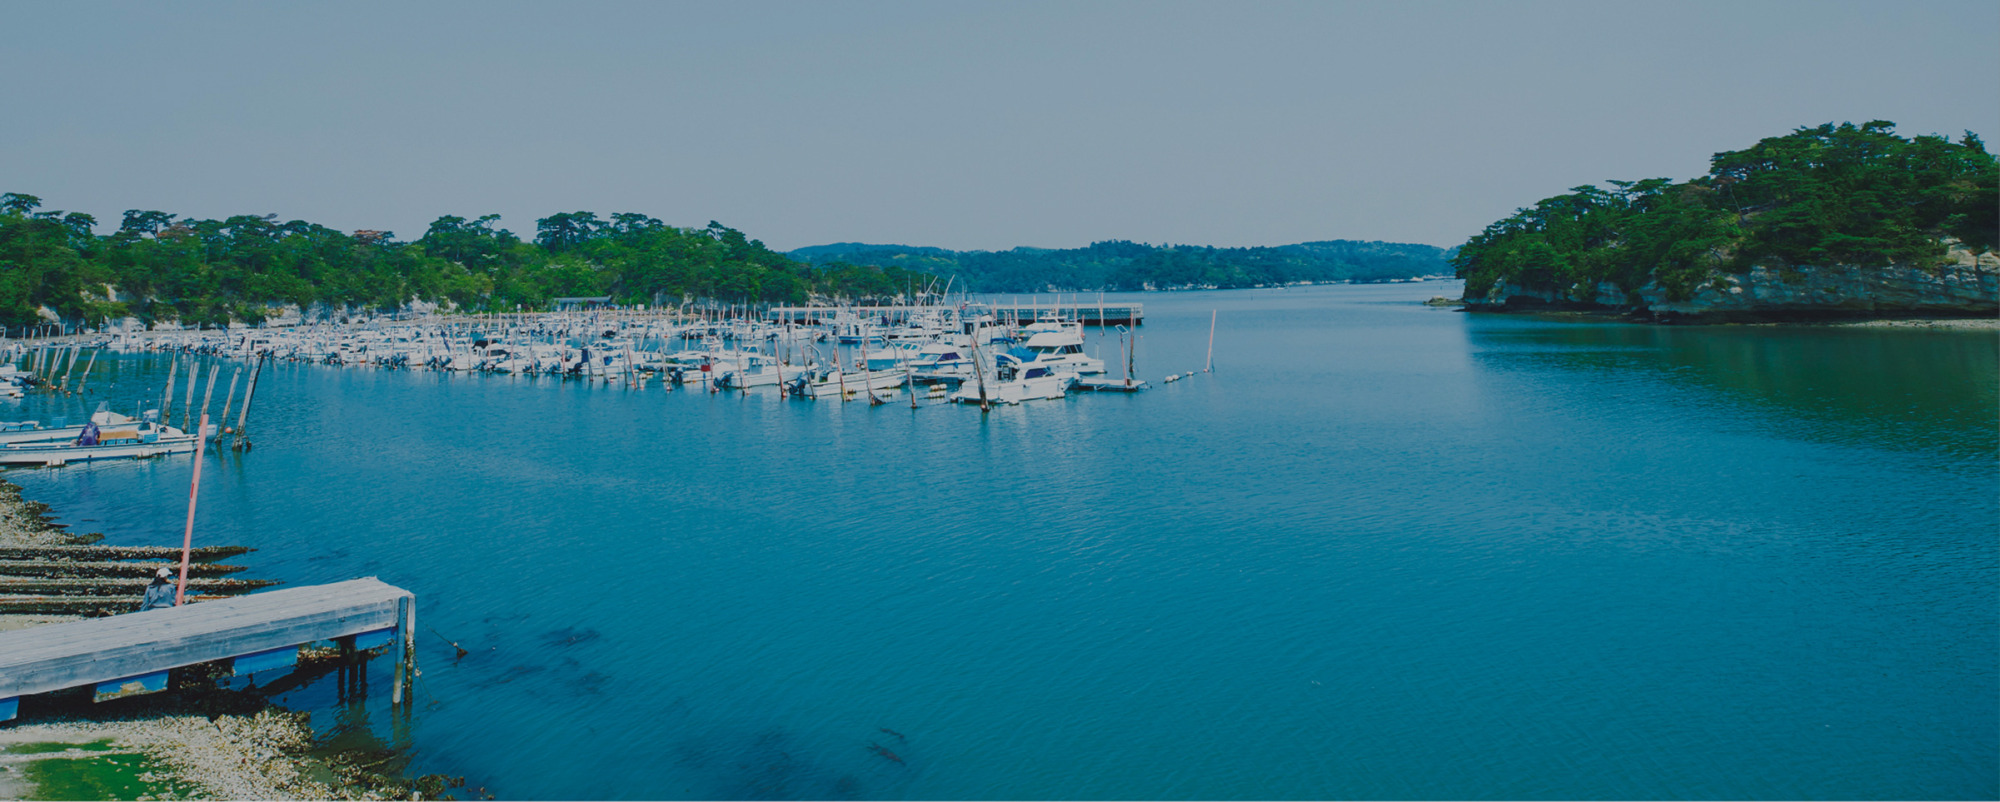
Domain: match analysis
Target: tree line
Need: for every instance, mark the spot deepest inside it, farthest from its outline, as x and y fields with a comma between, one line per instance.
x=1130, y=266
x=161, y=267
x=1827, y=195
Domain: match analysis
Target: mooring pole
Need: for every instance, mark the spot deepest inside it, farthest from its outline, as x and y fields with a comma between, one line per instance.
x=86, y=373
x=187, y=538
x=194, y=378
x=228, y=399
x=1124, y=356
x=206, y=396
x=242, y=441
x=1210, y=367
x=167, y=398
x=402, y=629
x=64, y=386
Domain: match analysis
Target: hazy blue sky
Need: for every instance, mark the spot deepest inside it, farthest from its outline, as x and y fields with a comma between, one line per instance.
x=952, y=124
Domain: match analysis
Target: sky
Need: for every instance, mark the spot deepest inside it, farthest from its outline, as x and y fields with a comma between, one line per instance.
x=959, y=125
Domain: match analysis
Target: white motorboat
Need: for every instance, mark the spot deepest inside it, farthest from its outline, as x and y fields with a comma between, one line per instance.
x=1063, y=349
x=1014, y=384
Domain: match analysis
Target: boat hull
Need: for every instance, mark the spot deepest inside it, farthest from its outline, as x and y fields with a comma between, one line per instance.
x=66, y=454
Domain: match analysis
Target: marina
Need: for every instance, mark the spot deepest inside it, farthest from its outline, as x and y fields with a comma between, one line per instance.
x=1478, y=528
x=939, y=352
x=976, y=401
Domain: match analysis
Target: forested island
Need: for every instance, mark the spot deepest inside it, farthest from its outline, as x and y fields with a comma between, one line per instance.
x=159, y=267
x=1825, y=221
x=1131, y=266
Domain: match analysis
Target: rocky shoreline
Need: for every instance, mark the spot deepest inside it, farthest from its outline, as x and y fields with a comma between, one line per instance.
x=196, y=741
x=26, y=523
x=1966, y=285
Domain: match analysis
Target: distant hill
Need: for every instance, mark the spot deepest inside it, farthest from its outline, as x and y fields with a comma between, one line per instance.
x=1122, y=265
x=834, y=251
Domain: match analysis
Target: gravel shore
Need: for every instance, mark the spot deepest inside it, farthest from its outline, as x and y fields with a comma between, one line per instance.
x=230, y=757
x=1968, y=323
x=22, y=524
x=267, y=754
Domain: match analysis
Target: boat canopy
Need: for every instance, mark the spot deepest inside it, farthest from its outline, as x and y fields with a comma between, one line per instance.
x=1020, y=355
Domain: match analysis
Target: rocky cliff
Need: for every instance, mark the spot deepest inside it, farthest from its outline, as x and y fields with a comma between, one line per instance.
x=1966, y=285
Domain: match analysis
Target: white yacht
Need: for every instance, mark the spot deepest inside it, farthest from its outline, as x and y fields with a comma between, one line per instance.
x=1014, y=383
x=1063, y=350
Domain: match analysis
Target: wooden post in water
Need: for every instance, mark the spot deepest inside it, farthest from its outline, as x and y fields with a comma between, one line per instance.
x=187, y=406
x=208, y=395
x=1123, y=355
x=227, y=400
x=242, y=441
x=86, y=372
x=187, y=538
x=64, y=386
x=979, y=373
x=1132, y=358
x=784, y=346
x=167, y=398
x=403, y=616
x=867, y=385
x=1210, y=367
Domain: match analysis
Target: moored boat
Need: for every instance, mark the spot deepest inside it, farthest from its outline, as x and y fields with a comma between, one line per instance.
x=118, y=437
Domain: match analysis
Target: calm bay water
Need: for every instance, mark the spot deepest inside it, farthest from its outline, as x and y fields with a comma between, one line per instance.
x=1384, y=551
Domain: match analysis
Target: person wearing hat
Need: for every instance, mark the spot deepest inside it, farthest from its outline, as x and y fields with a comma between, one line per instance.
x=161, y=592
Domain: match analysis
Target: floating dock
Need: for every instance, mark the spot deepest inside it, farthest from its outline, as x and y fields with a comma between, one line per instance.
x=129, y=654
x=1110, y=385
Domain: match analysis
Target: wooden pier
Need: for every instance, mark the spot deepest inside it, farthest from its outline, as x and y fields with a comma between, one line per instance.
x=128, y=654
x=1086, y=313
x=1089, y=314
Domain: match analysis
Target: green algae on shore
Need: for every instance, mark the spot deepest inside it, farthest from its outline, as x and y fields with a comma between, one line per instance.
x=94, y=769
x=116, y=775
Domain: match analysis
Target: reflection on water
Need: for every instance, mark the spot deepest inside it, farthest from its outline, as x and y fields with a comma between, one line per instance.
x=1384, y=551
x=1894, y=388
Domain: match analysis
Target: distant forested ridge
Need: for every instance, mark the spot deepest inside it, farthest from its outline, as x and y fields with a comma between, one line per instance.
x=1832, y=217
x=160, y=267
x=1121, y=265
x=164, y=268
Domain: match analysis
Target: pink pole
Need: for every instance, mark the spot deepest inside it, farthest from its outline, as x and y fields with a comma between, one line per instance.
x=187, y=540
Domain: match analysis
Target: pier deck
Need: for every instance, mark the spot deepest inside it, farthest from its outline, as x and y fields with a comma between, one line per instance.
x=1089, y=314
x=131, y=653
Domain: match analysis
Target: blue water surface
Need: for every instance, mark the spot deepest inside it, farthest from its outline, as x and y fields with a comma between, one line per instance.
x=1384, y=551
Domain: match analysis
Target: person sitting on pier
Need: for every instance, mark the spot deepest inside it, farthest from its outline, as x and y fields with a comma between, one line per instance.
x=160, y=593
x=88, y=437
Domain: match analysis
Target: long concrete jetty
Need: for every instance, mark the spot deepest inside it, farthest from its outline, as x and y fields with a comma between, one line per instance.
x=128, y=654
